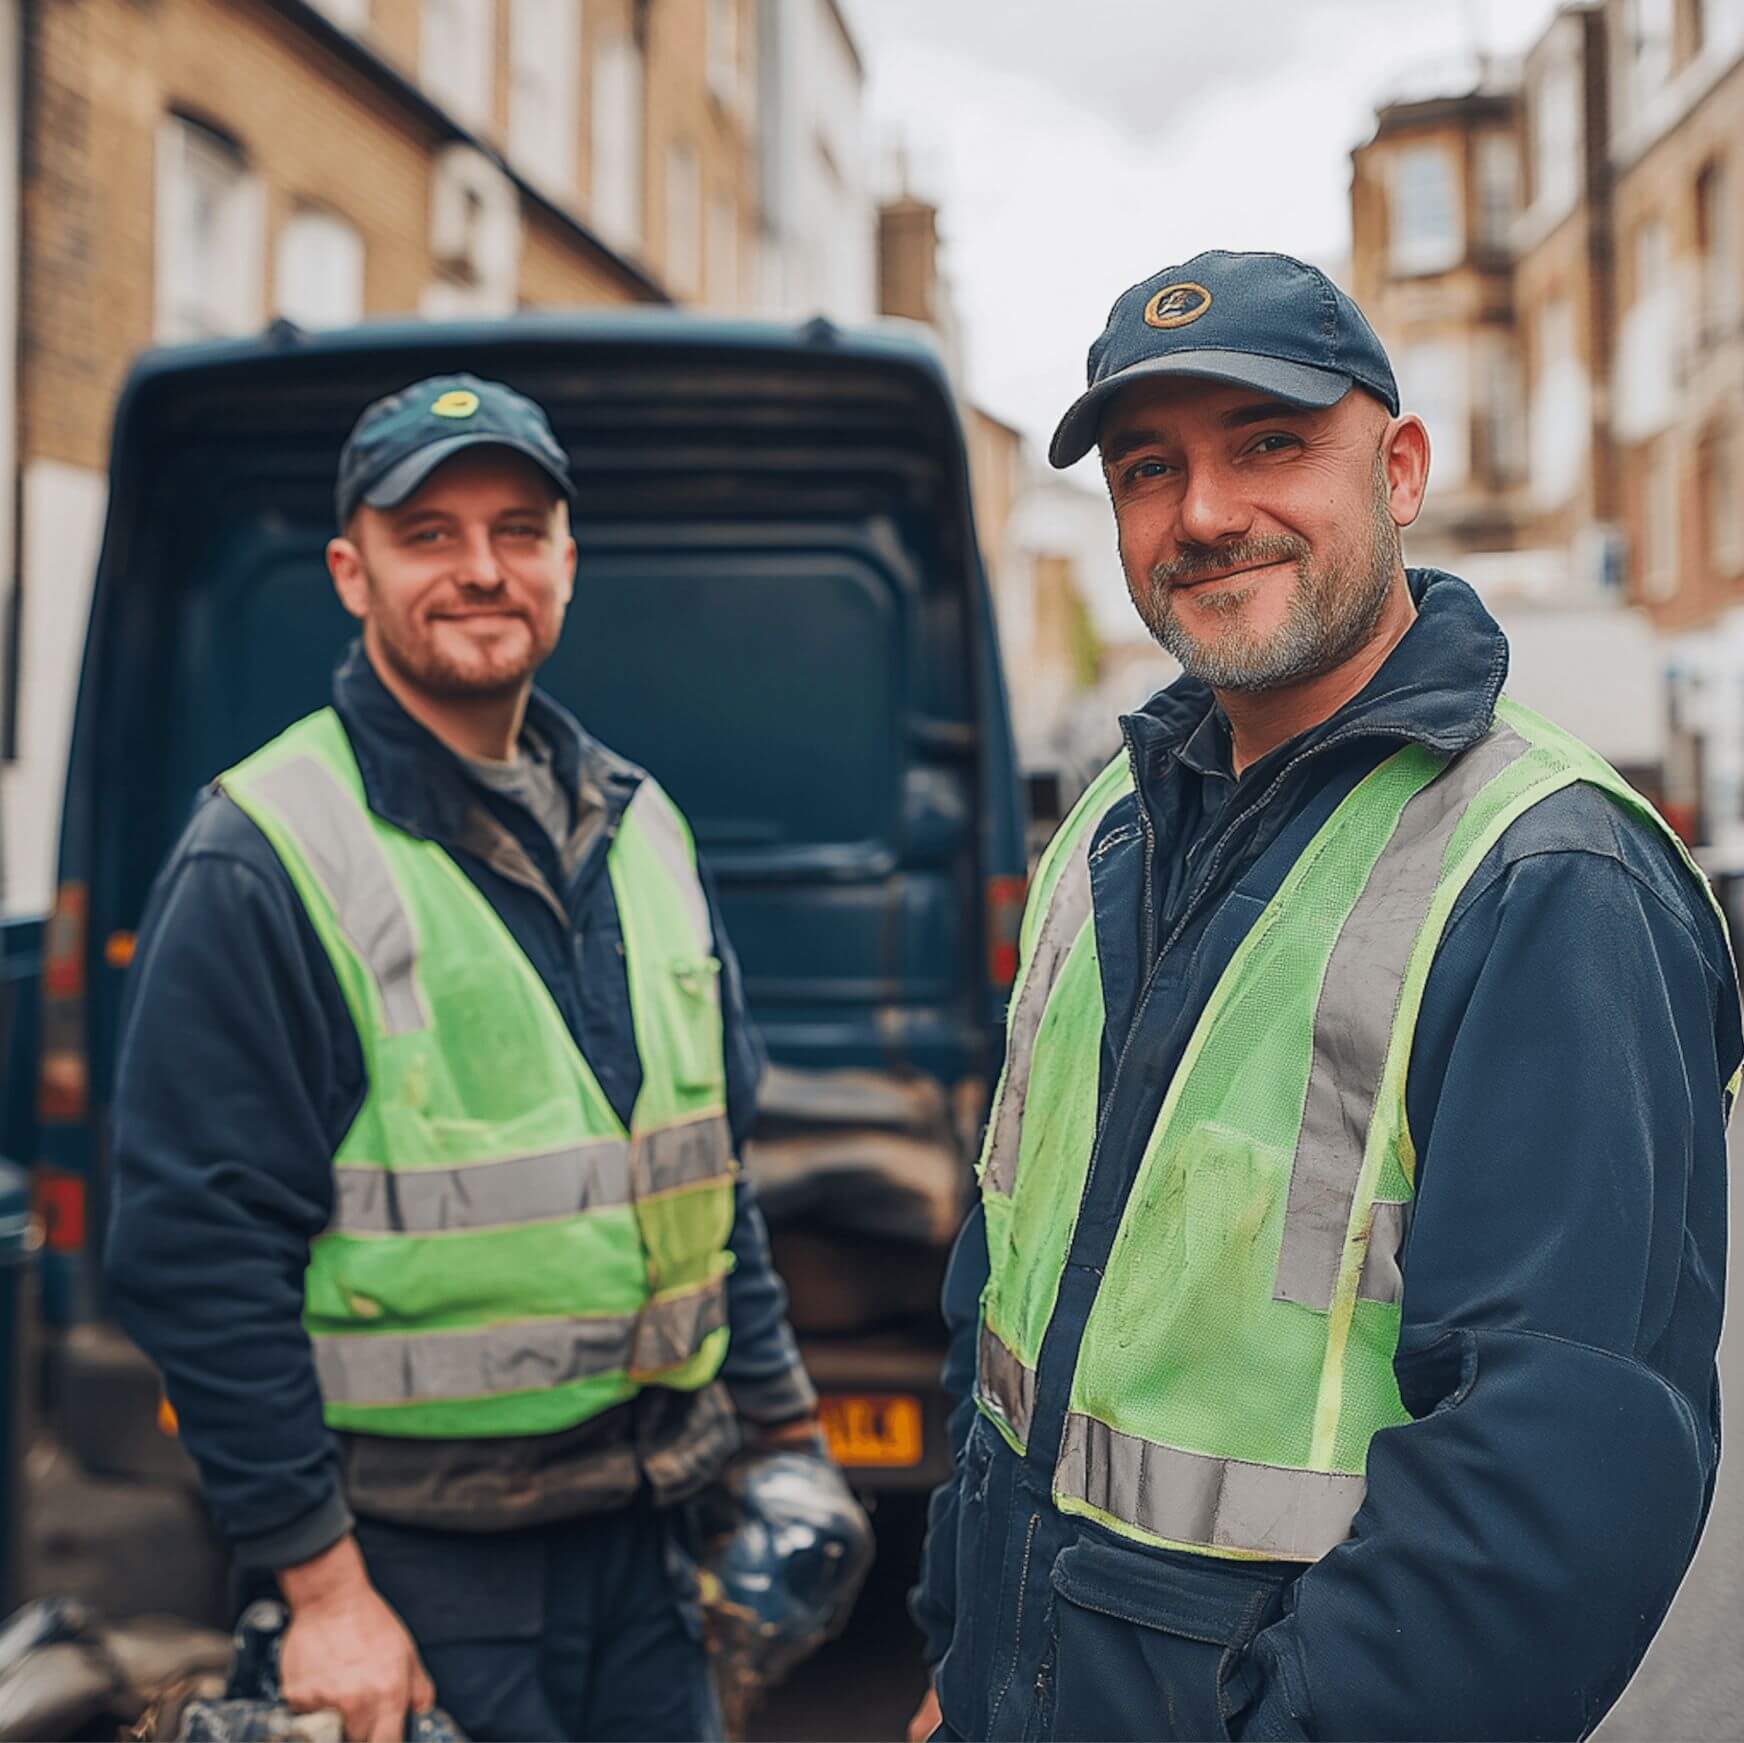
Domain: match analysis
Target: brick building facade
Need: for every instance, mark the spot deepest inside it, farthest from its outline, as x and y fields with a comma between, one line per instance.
x=196, y=168
x=1613, y=491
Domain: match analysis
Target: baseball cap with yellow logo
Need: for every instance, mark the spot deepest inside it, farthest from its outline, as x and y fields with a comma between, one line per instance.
x=1263, y=321
x=399, y=441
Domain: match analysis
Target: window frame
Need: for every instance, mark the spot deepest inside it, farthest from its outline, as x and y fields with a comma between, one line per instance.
x=1413, y=249
x=307, y=218
x=206, y=298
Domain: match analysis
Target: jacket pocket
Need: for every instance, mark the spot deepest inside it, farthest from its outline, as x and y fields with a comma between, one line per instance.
x=1142, y=1646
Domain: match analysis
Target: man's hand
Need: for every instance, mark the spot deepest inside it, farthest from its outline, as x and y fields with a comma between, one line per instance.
x=927, y=1719
x=345, y=1649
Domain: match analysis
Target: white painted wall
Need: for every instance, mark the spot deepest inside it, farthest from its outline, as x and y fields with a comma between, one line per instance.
x=1597, y=671
x=62, y=531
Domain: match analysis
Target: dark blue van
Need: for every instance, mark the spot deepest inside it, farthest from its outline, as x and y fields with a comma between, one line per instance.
x=780, y=610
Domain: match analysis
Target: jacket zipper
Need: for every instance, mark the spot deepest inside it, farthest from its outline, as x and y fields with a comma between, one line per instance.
x=1147, y=912
x=1192, y=908
x=1035, y=1519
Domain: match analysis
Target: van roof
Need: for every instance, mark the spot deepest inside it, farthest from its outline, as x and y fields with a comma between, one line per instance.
x=889, y=339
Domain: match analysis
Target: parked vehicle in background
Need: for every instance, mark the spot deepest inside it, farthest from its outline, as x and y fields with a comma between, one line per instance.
x=780, y=609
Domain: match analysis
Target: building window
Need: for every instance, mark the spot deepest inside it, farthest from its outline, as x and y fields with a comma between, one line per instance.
x=1434, y=382
x=1717, y=237
x=1723, y=521
x=544, y=74
x=475, y=236
x=1659, y=523
x=683, y=220
x=617, y=142
x=1425, y=211
x=723, y=50
x=1556, y=123
x=1498, y=188
x=1561, y=407
x=457, y=56
x=1719, y=27
x=1649, y=35
x=723, y=252
x=348, y=14
x=318, y=275
x=1645, y=384
x=210, y=235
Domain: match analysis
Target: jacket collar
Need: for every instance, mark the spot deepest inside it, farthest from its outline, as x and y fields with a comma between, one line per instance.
x=1437, y=688
x=413, y=780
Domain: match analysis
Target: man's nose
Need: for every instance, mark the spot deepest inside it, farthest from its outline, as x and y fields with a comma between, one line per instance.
x=476, y=562
x=1213, y=507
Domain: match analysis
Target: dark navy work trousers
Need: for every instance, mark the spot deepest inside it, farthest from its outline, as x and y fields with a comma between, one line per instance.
x=579, y=1630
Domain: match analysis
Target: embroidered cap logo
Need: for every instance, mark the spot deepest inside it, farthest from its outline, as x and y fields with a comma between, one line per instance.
x=1177, y=305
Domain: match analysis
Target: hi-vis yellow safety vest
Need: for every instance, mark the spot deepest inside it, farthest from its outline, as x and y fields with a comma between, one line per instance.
x=505, y=1258
x=1238, y=1357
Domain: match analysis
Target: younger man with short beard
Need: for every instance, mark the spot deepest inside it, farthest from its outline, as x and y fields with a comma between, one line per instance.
x=432, y=1078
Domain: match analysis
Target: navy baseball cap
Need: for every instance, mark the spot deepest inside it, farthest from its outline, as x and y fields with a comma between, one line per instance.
x=399, y=441
x=1255, y=320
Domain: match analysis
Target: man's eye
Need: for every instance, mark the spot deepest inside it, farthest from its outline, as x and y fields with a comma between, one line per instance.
x=424, y=536
x=1275, y=443
x=522, y=530
x=1143, y=469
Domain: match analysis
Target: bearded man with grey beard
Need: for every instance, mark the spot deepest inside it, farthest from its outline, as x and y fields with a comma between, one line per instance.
x=1334, y=1337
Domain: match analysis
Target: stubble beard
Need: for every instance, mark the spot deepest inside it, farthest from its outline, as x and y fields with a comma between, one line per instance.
x=1332, y=613
x=421, y=664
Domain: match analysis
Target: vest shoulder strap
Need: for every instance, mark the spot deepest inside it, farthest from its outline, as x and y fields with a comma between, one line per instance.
x=1072, y=837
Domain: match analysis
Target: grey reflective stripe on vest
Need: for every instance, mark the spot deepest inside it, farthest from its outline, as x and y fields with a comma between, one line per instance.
x=1381, y=1278
x=1068, y=909
x=401, y=1368
x=671, y=1157
x=655, y=815
x=1214, y=1503
x=482, y=1195
x=671, y=1328
x=336, y=840
x=1353, y=1023
x=372, y=1200
x=1005, y=1384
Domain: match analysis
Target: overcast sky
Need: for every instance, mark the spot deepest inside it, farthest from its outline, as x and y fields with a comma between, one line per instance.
x=1076, y=146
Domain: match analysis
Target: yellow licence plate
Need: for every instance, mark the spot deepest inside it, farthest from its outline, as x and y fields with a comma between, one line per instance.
x=872, y=1428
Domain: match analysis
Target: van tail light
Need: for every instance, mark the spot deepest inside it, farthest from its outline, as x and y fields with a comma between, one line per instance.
x=1004, y=920
x=63, y=1082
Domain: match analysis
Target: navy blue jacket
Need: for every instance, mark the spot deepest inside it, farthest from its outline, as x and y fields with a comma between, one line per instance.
x=1523, y=1535
x=240, y=1071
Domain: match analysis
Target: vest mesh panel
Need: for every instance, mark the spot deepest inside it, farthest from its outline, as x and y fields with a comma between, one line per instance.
x=510, y=1267
x=1238, y=1357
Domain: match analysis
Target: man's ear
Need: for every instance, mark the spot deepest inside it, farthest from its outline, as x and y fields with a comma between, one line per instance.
x=1405, y=459
x=350, y=582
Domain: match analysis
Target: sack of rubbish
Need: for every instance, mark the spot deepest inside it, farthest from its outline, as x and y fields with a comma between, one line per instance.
x=251, y=1709
x=65, y=1672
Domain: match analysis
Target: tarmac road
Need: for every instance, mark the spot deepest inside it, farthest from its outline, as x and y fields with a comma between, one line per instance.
x=1689, y=1690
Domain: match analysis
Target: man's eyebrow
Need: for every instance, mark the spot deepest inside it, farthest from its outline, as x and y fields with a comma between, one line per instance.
x=1117, y=447
x=1263, y=411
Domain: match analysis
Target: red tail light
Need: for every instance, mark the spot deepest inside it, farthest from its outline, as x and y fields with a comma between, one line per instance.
x=60, y=1205
x=1004, y=921
x=63, y=1082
